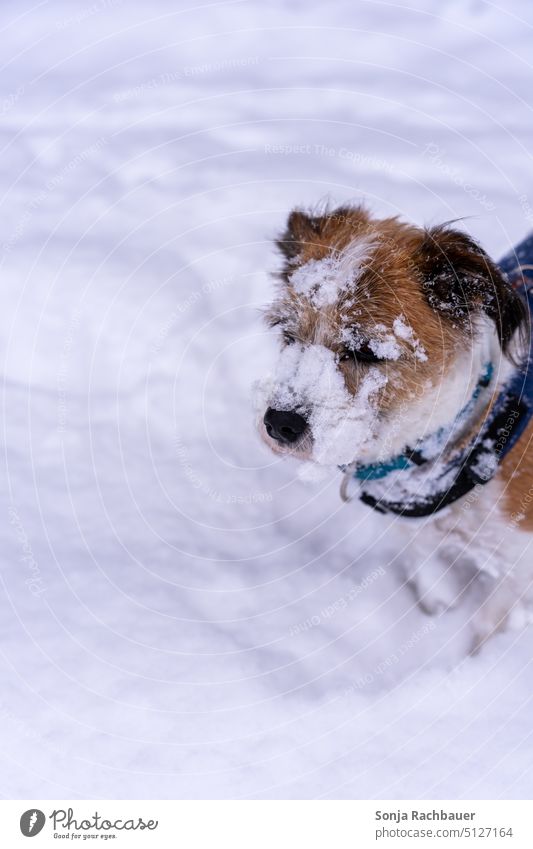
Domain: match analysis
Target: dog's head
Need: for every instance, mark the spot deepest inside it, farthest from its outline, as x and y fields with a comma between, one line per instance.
x=375, y=318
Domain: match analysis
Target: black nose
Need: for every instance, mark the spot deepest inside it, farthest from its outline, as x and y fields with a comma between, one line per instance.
x=284, y=425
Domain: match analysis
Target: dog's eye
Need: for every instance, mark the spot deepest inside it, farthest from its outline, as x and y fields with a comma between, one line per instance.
x=362, y=354
x=288, y=338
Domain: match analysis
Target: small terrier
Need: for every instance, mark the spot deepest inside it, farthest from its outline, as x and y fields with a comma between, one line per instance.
x=405, y=362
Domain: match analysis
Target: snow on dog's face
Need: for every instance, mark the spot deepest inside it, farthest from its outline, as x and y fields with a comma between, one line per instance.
x=373, y=314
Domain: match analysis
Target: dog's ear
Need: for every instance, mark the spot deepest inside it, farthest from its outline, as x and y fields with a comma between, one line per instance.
x=460, y=280
x=333, y=227
x=300, y=230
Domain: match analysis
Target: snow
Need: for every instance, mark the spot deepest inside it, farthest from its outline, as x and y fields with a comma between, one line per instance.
x=157, y=560
x=404, y=331
x=323, y=281
x=384, y=345
x=307, y=379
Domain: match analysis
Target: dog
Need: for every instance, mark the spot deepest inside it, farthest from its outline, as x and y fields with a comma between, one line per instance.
x=405, y=362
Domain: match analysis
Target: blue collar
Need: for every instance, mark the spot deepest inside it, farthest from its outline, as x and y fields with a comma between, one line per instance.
x=413, y=457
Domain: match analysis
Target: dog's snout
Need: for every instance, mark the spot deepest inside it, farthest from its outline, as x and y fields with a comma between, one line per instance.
x=284, y=425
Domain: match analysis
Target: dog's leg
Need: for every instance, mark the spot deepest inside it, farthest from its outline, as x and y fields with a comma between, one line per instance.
x=503, y=596
x=497, y=600
x=433, y=569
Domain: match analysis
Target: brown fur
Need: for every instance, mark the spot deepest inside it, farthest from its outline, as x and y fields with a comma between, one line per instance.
x=438, y=279
x=446, y=289
x=516, y=473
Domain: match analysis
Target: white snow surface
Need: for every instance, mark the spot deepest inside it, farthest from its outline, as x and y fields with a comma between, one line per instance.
x=181, y=616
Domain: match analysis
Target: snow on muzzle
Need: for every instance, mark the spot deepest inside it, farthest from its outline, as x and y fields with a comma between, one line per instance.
x=307, y=381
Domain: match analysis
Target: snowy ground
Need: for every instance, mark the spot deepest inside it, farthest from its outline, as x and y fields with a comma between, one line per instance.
x=180, y=615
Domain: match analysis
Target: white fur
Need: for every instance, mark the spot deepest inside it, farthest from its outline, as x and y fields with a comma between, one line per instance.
x=439, y=404
x=307, y=378
x=471, y=552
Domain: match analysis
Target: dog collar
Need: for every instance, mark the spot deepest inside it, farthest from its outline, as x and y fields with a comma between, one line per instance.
x=420, y=454
x=432, y=484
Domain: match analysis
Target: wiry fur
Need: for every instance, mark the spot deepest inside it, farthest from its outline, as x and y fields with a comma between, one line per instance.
x=459, y=310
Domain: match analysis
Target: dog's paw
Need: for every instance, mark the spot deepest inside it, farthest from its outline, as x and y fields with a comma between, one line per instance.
x=430, y=604
x=498, y=613
x=435, y=591
x=483, y=630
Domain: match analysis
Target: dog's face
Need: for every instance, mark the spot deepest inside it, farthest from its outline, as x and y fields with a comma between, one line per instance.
x=374, y=318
